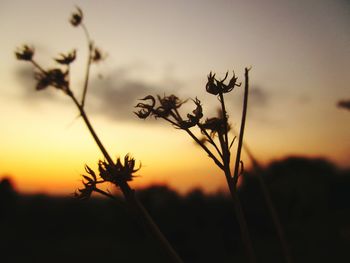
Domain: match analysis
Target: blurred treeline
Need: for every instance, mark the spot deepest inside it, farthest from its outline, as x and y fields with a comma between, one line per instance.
x=312, y=198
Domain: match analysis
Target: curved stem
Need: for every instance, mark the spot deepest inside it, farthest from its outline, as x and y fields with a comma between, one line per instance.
x=88, y=65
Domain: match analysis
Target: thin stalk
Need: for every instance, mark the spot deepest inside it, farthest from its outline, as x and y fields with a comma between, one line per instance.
x=271, y=208
x=211, y=141
x=129, y=193
x=224, y=117
x=205, y=148
x=247, y=243
x=88, y=65
x=91, y=129
x=38, y=66
x=232, y=181
x=241, y=132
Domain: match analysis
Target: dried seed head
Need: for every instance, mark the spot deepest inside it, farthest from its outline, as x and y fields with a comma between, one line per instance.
x=167, y=105
x=89, y=182
x=66, y=59
x=97, y=55
x=76, y=17
x=145, y=109
x=54, y=77
x=119, y=172
x=193, y=119
x=215, y=125
x=211, y=87
x=216, y=87
x=345, y=104
x=25, y=53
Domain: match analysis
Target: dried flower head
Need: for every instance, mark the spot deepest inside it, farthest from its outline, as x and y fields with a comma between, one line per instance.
x=193, y=119
x=216, y=87
x=24, y=53
x=215, y=125
x=118, y=172
x=66, y=59
x=345, y=104
x=97, y=55
x=145, y=109
x=89, y=182
x=76, y=17
x=167, y=105
x=54, y=77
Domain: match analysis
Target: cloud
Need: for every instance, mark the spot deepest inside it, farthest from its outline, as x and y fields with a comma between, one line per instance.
x=258, y=97
x=115, y=95
x=344, y=104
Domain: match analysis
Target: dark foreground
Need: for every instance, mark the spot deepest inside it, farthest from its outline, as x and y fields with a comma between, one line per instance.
x=312, y=198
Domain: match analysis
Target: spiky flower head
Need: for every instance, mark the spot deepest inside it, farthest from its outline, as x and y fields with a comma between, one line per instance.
x=89, y=181
x=215, y=125
x=193, y=119
x=118, y=172
x=145, y=109
x=76, y=17
x=25, y=53
x=53, y=77
x=66, y=59
x=216, y=87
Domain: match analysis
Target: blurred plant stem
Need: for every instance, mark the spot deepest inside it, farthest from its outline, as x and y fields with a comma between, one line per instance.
x=259, y=173
x=129, y=193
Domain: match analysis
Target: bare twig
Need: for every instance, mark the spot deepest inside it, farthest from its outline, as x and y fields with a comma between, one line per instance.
x=241, y=132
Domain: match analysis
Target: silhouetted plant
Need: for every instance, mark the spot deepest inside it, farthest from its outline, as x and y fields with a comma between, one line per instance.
x=259, y=172
x=117, y=173
x=344, y=104
x=215, y=139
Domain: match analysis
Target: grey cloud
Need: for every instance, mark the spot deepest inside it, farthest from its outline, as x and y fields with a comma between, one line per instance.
x=113, y=94
x=258, y=97
x=116, y=94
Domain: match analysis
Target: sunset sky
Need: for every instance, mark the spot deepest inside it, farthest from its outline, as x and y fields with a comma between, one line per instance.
x=299, y=52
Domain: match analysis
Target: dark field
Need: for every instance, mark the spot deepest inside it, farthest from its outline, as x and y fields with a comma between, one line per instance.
x=312, y=198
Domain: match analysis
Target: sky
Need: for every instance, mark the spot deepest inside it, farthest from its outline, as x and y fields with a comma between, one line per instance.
x=298, y=51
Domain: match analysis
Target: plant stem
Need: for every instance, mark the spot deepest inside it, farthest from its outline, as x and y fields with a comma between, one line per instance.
x=211, y=141
x=38, y=66
x=232, y=181
x=247, y=243
x=241, y=132
x=129, y=193
x=87, y=72
x=205, y=148
x=224, y=118
x=271, y=208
